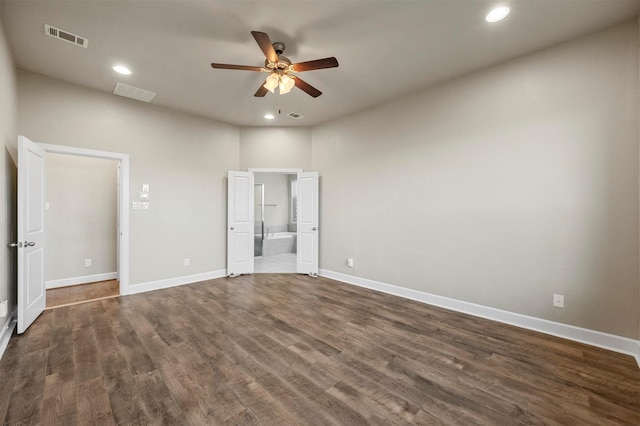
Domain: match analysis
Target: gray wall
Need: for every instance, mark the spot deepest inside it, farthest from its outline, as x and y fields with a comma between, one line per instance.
x=499, y=188
x=275, y=148
x=81, y=220
x=8, y=179
x=182, y=157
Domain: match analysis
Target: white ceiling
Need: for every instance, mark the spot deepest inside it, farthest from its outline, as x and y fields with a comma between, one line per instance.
x=385, y=48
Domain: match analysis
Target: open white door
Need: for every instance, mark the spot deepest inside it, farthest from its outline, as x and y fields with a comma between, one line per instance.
x=307, y=223
x=240, y=223
x=31, y=283
x=118, y=232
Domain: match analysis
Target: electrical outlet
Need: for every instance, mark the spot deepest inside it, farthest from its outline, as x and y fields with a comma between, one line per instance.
x=558, y=300
x=187, y=261
x=87, y=262
x=3, y=309
x=350, y=263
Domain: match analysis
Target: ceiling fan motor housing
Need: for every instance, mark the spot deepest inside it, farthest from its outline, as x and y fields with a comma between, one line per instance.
x=283, y=62
x=278, y=47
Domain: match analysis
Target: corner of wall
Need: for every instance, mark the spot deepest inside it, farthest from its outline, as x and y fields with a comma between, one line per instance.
x=8, y=172
x=638, y=349
x=6, y=332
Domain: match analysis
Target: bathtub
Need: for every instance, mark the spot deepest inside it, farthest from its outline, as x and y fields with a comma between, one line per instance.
x=280, y=235
x=279, y=243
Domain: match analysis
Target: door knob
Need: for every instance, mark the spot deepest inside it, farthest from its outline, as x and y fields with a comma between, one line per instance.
x=231, y=228
x=30, y=244
x=314, y=228
x=15, y=245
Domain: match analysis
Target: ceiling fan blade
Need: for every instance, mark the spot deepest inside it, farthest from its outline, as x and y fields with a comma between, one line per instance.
x=265, y=44
x=306, y=87
x=261, y=91
x=316, y=65
x=236, y=67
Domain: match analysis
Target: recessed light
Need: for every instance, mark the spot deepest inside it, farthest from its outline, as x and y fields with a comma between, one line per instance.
x=121, y=69
x=269, y=116
x=497, y=14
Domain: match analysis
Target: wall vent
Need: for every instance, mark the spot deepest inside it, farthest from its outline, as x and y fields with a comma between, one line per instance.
x=133, y=92
x=65, y=36
x=296, y=115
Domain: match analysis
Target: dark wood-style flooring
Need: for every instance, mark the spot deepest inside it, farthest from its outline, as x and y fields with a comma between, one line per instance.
x=82, y=293
x=284, y=349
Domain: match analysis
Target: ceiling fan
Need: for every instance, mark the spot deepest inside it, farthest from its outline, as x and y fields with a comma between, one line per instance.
x=281, y=70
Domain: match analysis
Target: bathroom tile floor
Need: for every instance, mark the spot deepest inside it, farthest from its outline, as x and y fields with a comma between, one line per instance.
x=278, y=263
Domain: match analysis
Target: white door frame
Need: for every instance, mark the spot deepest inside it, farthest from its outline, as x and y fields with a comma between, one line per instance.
x=280, y=171
x=123, y=202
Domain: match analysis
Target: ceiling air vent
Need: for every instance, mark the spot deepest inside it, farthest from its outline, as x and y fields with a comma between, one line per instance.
x=66, y=36
x=133, y=92
x=296, y=115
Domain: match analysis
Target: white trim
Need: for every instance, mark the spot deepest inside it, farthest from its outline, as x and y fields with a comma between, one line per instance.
x=173, y=282
x=7, y=331
x=66, y=282
x=123, y=259
x=82, y=152
x=281, y=171
x=590, y=337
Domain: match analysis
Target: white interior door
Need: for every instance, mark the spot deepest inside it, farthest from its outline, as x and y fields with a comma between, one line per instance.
x=118, y=232
x=240, y=223
x=31, y=191
x=308, y=211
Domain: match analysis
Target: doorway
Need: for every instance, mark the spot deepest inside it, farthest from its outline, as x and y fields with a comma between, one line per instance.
x=275, y=215
x=122, y=202
x=242, y=228
x=81, y=222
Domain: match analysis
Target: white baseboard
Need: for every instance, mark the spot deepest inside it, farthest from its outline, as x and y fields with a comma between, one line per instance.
x=173, y=282
x=66, y=282
x=591, y=337
x=7, y=331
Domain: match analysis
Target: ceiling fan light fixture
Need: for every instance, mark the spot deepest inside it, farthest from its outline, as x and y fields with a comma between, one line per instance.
x=272, y=82
x=286, y=84
x=497, y=14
